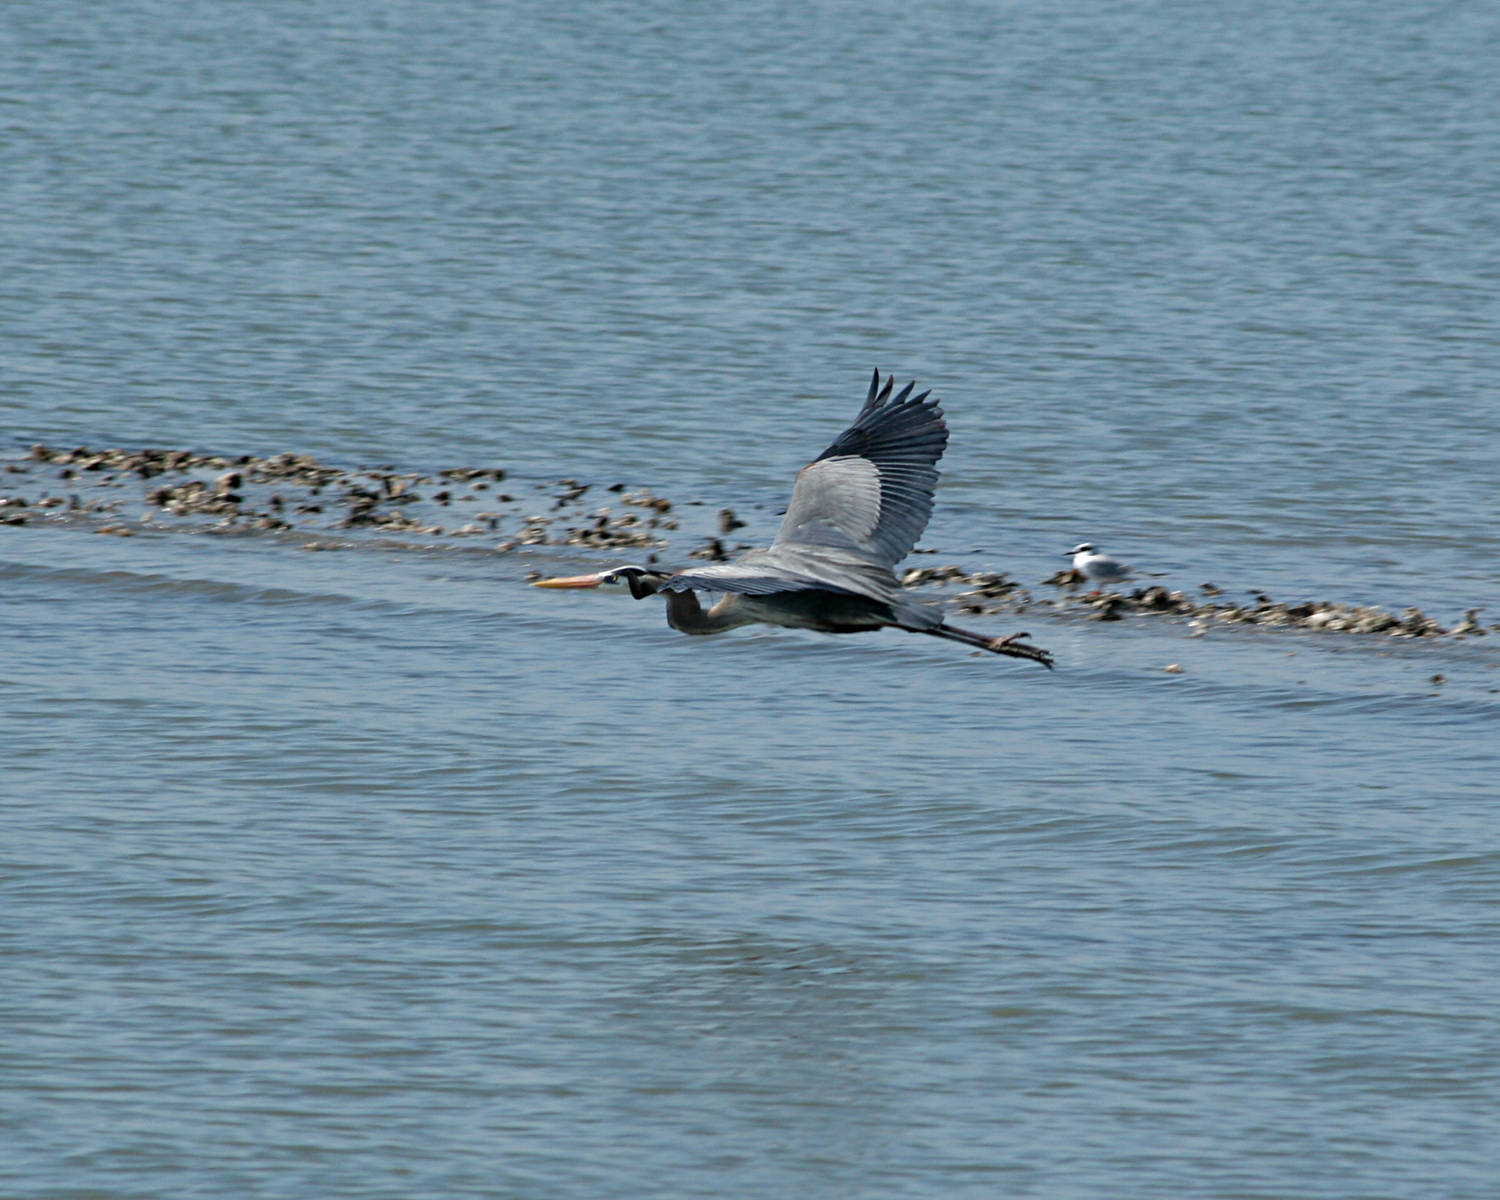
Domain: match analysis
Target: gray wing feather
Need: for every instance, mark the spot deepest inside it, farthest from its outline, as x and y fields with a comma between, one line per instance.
x=871, y=490
x=791, y=569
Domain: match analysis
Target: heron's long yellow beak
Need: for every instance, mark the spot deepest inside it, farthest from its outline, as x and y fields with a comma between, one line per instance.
x=568, y=581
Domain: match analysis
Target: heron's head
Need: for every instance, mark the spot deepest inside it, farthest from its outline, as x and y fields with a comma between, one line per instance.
x=640, y=582
x=1081, y=548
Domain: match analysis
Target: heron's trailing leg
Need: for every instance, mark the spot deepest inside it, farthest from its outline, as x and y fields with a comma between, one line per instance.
x=1011, y=645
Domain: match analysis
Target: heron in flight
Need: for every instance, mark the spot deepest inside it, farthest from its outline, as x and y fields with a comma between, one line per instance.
x=855, y=513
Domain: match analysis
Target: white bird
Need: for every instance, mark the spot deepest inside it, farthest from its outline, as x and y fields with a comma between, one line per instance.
x=1098, y=569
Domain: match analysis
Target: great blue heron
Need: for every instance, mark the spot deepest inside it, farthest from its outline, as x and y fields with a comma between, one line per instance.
x=1097, y=568
x=854, y=514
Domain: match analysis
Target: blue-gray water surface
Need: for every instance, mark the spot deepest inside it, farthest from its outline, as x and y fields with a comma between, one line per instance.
x=372, y=872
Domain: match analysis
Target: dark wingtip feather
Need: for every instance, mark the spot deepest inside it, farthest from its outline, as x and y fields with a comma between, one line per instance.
x=877, y=396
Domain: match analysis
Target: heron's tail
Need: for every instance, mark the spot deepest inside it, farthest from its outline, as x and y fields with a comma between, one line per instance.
x=1011, y=645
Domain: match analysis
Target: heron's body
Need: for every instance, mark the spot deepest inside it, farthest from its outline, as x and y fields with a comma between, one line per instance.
x=854, y=514
x=811, y=608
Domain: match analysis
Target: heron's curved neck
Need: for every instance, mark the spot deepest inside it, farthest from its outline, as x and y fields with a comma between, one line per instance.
x=686, y=615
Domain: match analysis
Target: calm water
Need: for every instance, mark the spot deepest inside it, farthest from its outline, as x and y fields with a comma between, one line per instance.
x=375, y=873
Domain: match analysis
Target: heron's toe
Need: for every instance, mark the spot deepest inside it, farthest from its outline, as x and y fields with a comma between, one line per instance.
x=1011, y=645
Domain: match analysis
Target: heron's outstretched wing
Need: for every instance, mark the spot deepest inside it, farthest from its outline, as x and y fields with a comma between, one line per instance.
x=870, y=492
x=855, y=512
x=791, y=568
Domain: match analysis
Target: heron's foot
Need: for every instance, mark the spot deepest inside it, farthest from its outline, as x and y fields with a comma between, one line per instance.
x=1012, y=646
